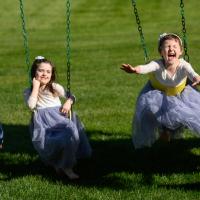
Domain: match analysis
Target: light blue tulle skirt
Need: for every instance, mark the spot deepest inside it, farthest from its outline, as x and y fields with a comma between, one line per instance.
x=58, y=140
x=155, y=110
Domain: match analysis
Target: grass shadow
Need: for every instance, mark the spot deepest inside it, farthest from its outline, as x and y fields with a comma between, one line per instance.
x=110, y=158
x=183, y=187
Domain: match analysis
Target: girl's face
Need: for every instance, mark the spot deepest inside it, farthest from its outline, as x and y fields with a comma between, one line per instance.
x=44, y=73
x=171, y=51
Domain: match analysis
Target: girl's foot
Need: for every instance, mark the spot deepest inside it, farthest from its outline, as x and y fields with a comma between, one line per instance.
x=1, y=146
x=70, y=174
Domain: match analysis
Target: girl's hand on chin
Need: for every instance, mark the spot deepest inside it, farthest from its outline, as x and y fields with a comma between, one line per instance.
x=36, y=83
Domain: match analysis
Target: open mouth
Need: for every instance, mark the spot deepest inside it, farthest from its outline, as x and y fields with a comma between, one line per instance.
x=171, y=55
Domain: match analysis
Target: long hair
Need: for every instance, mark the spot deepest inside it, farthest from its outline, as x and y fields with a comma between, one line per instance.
x=34, y=67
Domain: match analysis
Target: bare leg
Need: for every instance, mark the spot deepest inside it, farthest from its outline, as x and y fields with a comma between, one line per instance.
x=165, y=136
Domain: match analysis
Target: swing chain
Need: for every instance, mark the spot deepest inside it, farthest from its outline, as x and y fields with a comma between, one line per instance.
x=68, y=38
x=186, y=56
x=25, y=37
x=146, y=58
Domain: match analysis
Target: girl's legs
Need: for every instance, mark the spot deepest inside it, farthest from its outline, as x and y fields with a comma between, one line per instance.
x=68, y=172
x=165, y=134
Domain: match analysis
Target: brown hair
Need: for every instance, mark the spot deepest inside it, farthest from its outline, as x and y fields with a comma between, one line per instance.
x=34, y=67
x=168, y=36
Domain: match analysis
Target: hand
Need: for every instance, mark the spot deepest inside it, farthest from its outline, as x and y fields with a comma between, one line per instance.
x=66, y=106
x=196, y=81
x=129, y=69
x=36, y=87
x=36, y=83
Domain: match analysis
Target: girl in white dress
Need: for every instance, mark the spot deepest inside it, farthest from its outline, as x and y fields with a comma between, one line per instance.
x=165, y=101
x=59, y=141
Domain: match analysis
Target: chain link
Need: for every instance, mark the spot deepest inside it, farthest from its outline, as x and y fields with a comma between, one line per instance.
x=146, y=57
x=186, y=56
x=25, y=37
x=68, y=39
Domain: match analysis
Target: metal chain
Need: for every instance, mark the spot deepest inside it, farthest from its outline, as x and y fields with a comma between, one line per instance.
x=68, y=38
x=186, y=56
x=146, y=57
x=25, y=37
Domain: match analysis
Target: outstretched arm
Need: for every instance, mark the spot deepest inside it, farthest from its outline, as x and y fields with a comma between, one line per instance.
x=130, y=69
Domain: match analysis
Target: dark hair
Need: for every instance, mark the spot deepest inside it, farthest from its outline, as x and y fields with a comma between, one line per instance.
x=168, y=36
x=34, y=68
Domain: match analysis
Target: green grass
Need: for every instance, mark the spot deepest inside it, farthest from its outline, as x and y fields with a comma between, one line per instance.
x=104, y=35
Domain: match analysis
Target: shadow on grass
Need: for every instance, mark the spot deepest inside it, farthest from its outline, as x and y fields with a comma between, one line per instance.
x=110, y=158
x=184, y=187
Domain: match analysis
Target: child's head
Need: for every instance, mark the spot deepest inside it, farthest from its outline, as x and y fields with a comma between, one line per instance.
x=43, y=70
x=168, y=36
x=170, y=46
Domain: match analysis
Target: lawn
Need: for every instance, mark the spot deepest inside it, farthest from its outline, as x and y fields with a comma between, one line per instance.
x=103, y=36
